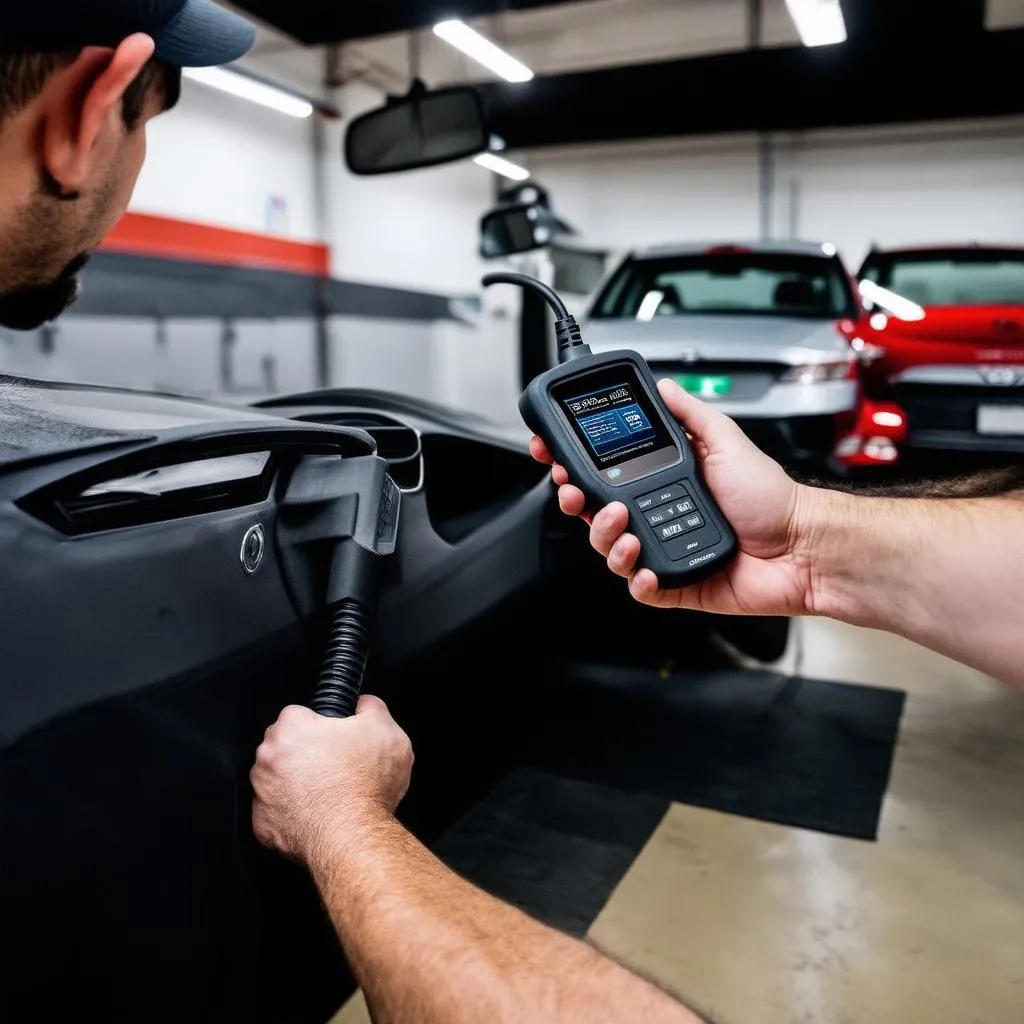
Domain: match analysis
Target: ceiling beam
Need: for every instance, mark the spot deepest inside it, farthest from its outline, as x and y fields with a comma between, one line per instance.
x=766, y=90
x=314, y=22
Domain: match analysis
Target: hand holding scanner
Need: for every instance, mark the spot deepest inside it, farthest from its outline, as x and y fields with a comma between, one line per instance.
x=602, y=418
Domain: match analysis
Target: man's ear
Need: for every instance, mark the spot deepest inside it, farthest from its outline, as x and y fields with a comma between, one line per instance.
x=83, y=107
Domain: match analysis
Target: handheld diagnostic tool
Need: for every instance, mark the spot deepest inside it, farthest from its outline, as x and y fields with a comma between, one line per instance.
x=602, y=418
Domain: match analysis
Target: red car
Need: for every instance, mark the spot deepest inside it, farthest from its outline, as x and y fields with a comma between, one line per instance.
x=944, y=337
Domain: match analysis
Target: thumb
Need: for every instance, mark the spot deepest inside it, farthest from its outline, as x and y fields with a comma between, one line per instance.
x=697, y=418
x=370, y=705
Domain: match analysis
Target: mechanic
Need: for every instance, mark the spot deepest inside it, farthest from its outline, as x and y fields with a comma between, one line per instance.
x=79, y=82
x=429, y=947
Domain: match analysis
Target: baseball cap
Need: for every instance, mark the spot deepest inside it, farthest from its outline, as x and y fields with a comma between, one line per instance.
x=188, y=33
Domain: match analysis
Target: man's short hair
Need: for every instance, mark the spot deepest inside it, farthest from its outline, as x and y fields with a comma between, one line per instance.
x=23, y=76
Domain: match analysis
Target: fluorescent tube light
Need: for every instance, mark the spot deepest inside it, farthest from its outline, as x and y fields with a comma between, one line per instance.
x=498, y=164
x=247, y=88
x=819, y=22
x=458, y=34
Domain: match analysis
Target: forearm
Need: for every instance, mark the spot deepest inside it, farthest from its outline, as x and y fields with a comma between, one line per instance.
x=945, y=573
x=426, y=946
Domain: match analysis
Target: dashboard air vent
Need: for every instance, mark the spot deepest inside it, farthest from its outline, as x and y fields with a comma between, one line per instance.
x=158, y=494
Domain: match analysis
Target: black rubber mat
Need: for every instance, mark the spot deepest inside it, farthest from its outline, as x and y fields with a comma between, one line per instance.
x=800, y=752
x=553, y=847
x=610, y=749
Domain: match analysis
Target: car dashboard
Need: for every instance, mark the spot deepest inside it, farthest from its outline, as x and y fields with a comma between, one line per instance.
x=148, y=643
x=473, y=503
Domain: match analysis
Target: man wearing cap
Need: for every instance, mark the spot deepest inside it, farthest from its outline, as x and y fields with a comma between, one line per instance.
x=79, y=82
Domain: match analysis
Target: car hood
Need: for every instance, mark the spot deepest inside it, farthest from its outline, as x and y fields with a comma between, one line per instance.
x=43, y=419
x=716, y=338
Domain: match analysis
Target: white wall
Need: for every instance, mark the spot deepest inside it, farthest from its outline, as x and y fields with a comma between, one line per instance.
x=418, y=230
x=219, y=160
x=414, y=230
x=124, y=352
x=949, y=182
x=644, y=193
x=939, y=183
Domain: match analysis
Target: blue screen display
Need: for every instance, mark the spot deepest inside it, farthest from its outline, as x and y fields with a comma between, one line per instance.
x=614, y=422
x=612, y=429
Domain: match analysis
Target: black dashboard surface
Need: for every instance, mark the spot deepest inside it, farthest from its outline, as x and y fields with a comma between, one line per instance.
x=471, y=530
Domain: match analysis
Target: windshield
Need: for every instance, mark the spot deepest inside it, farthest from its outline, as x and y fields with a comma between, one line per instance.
x=953, y=278
x=728, y=284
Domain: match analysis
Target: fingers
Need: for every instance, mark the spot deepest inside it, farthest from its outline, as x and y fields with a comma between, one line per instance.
x=571, y=500
x=697, y=417
x=539, y=450
x=644, y=587
x=623, y=555
x=608, y=526
x=370, y=705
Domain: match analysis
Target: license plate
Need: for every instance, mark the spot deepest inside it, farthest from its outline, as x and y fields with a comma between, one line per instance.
x=1001, y=419
x=704, y=386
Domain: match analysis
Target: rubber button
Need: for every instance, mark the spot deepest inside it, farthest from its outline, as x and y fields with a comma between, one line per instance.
x=666, y=513
x=674, y=492
x=670, y=531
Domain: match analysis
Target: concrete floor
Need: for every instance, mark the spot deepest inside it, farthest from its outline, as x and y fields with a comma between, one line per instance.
x=753, y=922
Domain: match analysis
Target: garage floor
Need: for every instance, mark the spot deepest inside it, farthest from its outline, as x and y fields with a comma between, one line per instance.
x=756, y=922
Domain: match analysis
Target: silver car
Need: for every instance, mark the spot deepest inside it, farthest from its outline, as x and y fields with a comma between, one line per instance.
x=762, y=330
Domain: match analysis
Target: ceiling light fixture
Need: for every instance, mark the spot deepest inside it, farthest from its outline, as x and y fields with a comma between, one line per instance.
x=251, y=89
x=498, y=164
x=819, y=22
x=458, y=34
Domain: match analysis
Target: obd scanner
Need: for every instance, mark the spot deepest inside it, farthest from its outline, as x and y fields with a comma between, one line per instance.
x=602, y=418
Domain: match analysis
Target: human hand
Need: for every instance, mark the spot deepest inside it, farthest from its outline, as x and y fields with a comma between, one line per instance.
x=770, y=575
x=314, y=775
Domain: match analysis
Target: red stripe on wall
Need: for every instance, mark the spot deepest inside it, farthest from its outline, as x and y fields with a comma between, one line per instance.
x=143, y=234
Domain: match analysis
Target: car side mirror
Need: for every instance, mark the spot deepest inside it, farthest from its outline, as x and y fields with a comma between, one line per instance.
x=422, y=129
x=514, y=229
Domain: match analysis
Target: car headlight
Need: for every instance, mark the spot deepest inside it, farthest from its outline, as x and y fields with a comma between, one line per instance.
x=818, y=373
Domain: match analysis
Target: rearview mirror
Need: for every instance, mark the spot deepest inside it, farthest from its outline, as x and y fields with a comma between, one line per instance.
x=422, y=129
x=513, y=229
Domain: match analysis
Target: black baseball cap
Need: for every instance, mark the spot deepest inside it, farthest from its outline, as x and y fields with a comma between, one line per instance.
x=188, y=33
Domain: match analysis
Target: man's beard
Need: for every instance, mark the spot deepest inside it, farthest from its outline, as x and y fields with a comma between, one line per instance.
x=31, y=306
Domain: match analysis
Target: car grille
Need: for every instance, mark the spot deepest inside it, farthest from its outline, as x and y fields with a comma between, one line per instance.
x=949, y=406
x=750, y=381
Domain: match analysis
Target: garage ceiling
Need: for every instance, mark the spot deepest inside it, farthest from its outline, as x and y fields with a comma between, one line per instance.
x=319, y=21
x=626, y=69
x=786, y=89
